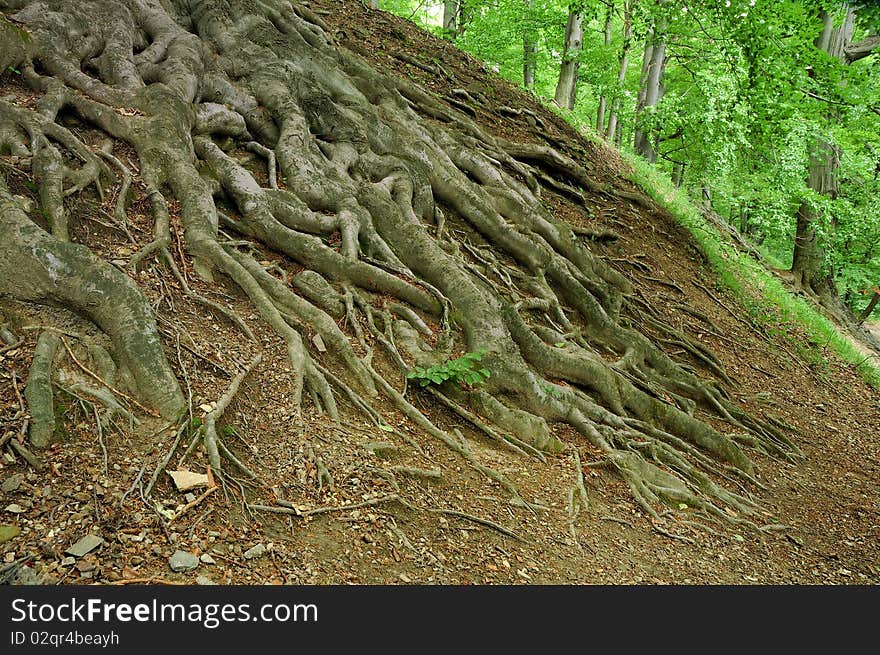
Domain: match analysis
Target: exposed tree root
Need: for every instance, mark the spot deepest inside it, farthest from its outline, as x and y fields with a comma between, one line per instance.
x=208, y=429
x=38, y=391
x=418, y=230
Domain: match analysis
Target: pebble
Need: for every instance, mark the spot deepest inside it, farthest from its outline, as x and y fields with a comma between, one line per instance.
x=204, y=580
x=85, y=545
x=207, y=559
x=183, y=561
x=12, y=483
x=257, y=551
x=14, y=508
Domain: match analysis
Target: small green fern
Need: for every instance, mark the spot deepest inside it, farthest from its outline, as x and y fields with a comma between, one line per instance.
x=463, y=370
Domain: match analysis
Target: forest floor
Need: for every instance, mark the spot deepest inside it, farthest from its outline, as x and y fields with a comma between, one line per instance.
x=829, y=500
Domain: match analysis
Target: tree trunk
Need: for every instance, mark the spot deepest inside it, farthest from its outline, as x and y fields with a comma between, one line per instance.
x=875, y=298
x=603, y=100
x=530, y=48
x=808, y=259
x=653, y=67
x=678, y=174
x=566, y=88
x=611, y=132
x=451, y=9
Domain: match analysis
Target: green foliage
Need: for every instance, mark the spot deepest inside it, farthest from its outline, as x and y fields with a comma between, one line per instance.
x=463, y=370
x=747, y=95
x=767, y=300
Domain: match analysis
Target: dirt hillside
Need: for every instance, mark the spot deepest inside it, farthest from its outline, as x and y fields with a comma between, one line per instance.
x=455, y=527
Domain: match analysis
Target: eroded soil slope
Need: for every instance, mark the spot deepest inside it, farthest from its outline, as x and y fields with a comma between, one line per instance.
x=457, y=527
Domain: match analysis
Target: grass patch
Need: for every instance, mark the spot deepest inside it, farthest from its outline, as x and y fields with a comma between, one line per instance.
x=759, y=291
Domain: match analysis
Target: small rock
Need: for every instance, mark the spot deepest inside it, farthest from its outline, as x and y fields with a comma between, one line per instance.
x=12, y=483
x=405, y=578
x=68, y=561
x=14, y=508
x=8, y=532
x=204, y=580
x=183, y=561
x=257, y=551
x=19, y=574
x=207, y=559
x=85, y=545
x=186, y=480
x=86, y=565
x=189, y=497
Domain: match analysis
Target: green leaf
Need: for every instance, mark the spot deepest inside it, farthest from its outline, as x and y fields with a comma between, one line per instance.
x=385, y=428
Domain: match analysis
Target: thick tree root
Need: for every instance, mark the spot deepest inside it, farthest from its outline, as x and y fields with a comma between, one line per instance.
x=38, y=391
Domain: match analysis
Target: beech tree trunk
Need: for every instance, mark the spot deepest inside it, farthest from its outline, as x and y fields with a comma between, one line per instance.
x=875, y=298
x=603, y=99
x=611, y=132
x=651, y=88
x=809, y=267
x=566, y=88
x=530, y=48
x=451, y=11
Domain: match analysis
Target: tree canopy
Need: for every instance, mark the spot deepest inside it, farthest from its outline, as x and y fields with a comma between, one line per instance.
x=747, y=94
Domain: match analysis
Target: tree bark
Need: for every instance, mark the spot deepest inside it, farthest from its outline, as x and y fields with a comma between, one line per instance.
x=603, y=99
x=653, y=68
x=530, y=48
x=451, y=10
x=566, y=88
x=875, y=298
x=808, y=258
x=678, y=174
x=611, y=132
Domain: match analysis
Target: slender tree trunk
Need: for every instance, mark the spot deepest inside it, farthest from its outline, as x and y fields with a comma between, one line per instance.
x=678, y=174
x=451, y=10
x=871, y=305
x=611, y=131
x=809, y=256
x=603, y=100
x=646, y=65
x=566, y=88
x=744, y=223
x=706, y=194
x=530, y=49
x=652, y=73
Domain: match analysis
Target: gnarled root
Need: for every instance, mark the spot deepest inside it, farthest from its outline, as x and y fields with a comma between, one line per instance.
x=428, y=238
